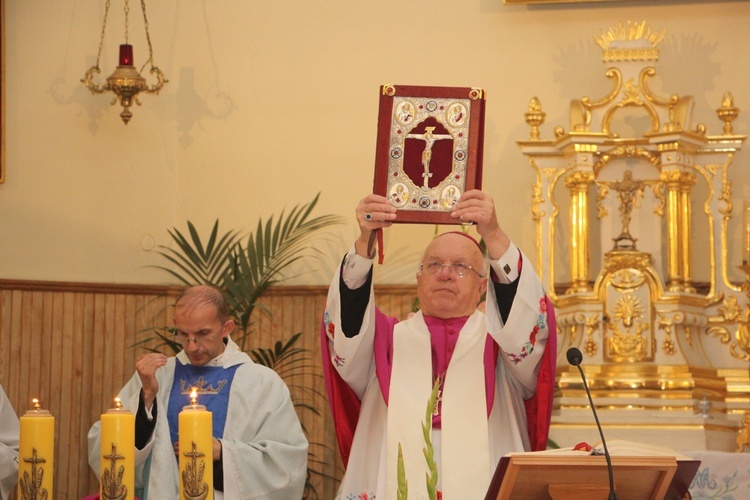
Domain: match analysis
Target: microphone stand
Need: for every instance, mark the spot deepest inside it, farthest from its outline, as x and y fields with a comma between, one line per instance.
x=574, y=358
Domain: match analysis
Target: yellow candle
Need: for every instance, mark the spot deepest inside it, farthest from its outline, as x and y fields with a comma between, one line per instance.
x=117, y=454
x=36, y=454
x=196, y=450
x=746, y=233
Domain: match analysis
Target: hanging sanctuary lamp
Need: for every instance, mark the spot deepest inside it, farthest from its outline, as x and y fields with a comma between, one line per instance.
x=125, y=82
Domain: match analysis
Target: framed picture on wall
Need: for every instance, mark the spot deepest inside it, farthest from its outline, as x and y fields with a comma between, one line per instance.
x=429, y=149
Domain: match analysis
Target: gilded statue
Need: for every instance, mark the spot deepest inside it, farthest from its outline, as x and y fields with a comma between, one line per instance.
x=628, y=192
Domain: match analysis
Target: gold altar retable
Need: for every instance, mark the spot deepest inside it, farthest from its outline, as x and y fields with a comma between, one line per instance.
x=621, y=217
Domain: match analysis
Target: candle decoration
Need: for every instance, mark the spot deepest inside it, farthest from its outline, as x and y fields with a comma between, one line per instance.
x=36, y=454
x=746, y=233
x=196, y=450
x=117, y=465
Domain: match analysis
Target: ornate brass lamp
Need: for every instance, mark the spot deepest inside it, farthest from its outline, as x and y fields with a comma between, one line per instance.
x=126, y=82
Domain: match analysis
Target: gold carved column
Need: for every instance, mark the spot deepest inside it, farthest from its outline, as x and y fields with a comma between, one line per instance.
x=687, y=181
x=678, y=191
x=578, y=183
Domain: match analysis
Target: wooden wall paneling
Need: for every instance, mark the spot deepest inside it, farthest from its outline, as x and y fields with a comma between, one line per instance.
x=4, y=339
x=110, y=344
x=14, y=375
x=64, y=383
x=45, y=340
x=91, y=383
x=126, y=364
x=120, y=350
x=32, y=322
x=101, y=385
x=306, y=309
x=80, y=395
x=19, y=356
x=55, y=346
x=68, y=386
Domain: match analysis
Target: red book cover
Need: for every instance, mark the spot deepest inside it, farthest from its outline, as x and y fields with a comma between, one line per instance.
x=429, y=149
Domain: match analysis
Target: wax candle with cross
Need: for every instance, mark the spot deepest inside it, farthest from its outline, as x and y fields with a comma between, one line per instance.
x=196, y=450
x=117, y=457
x=36, y=454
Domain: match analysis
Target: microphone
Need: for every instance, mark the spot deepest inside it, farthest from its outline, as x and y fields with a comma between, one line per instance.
x=575, y=357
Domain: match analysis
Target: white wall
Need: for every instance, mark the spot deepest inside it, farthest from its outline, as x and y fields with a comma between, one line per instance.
x=85, y=193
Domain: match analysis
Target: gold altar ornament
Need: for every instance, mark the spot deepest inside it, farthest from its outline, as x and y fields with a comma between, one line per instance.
x=125, y=82
x=727, y=113
x=36, y=454
x=117, y=464
x=196, y=450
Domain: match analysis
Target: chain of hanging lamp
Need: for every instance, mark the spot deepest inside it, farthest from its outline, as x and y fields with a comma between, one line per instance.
x=126, y=82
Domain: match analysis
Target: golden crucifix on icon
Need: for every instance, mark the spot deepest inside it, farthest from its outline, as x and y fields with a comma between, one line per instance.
x=429, y=139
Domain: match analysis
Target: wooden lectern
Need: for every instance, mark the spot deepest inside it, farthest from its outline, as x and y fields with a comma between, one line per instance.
x=541, y=476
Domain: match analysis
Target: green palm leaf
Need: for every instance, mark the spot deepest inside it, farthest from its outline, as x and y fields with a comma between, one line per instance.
x=197, y=263
x=268, y=253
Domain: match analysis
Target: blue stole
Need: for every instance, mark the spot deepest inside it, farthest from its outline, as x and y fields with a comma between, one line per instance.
x=213, y=383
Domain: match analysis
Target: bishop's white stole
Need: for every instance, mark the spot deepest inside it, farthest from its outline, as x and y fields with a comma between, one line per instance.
x=465, y=453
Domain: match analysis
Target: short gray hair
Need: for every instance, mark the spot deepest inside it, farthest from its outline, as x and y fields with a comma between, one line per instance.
x=205, y=295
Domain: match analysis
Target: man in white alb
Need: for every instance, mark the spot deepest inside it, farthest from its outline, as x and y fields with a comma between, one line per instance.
x=259, y=449
x=380, y=372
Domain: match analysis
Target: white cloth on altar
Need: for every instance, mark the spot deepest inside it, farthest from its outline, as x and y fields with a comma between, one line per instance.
x=724, y=475
x=9, y=436
x=368, y=469
x=264, y=449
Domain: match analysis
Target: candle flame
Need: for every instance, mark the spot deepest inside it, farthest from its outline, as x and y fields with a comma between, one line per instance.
x=37, y=405
x=194, y=396
x=118, y=403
